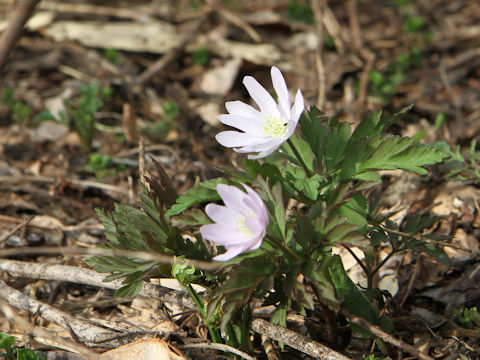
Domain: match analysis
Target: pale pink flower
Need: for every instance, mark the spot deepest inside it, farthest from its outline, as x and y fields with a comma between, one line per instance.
x=265, y=130
x=240, y=225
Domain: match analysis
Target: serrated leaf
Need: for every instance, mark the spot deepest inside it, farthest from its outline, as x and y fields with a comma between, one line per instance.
x=355, y=301
x=336, y=141
x=203, y=192
x=161, y=185
x=253, y=275
x=367, y=127
x=388, y=121
x=413, y=158
x=355, y=210
x=303, y=149
x=274, y=202
x=417, y=222
x=130, y=290
x=279, y=316
x=265, y=170
x=389, y=145
x=188, y=218
x=314, y=129
x=393, y=152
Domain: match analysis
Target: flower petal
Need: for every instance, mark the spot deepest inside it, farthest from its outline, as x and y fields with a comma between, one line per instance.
x=223, y=215
x=264, y=100
x=297, y=108
x=231, y=253
x=242, y=109
x=257, y=204
x=256, y=228
x=281, y=89
x=262, y=154
x=233, y=198
x=265, y=145
x=224, y=235
x=245, y=124
x=235, y=138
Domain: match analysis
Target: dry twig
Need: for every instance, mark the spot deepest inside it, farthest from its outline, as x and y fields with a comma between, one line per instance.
x=141, y=255
x=18, y=18
x=24, y=223
x=221, y=347
x=43, y=336
x=296, y=341
x=78, y=275
x=84, y=330
x=375, y=330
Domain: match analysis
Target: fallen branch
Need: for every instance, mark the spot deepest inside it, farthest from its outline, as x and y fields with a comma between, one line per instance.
x=296, y=341
x=375, y=330
x=84, y=330
x=18, y=17
x=78, y=275
x=140, y=255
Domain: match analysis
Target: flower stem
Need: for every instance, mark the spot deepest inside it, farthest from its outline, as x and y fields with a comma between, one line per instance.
x=284, y=248
x=299, y=158
x=213, y=330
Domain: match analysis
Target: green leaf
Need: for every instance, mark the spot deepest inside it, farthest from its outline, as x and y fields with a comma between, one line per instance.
x=253, y=276
x=130, y=290
x=354, y=300
x=274, y=202
x=303, y=149
x=189, y=218
x=367, y=127
x=413, y=158
x=203, y=192
x=335, y=145
x=265, y=170
x=279, y=316
x=314, y=129
x=355, y=210
x=6, y=341
x=26, y=354
x=388, y=146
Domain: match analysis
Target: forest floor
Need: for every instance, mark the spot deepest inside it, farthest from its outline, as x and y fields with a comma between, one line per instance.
x=88, y=79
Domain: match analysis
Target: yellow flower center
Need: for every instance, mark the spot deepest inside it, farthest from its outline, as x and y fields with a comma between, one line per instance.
x=273, y=126
x=242, y=226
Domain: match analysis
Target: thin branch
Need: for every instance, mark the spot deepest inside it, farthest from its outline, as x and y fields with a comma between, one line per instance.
x=17, y=20
x=83, y=329
x=216, y=346
x=375, y=330
x=43, y=336
x=78, y=275
x=140, y=255
x=422, y=238
x=296, y=341
x=24, y=223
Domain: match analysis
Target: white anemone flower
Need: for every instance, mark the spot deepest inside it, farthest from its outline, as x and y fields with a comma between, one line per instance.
x=240, y=225
x=263, y=131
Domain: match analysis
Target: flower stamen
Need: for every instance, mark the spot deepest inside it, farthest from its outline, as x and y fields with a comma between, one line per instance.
x=241, y=226
x=273, y=126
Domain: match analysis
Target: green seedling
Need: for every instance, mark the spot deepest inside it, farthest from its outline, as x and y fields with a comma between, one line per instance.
x=469, y=318
x=103, y=165
x=19, y=111
x=12, y=352
x=300, y=10
x=200, y=56
x=82, y=109
x=111, y=55
x=162, y=127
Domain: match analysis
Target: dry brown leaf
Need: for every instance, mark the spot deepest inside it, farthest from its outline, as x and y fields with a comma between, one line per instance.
x=154, y=37
x=219, y=80
x=152, y=349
